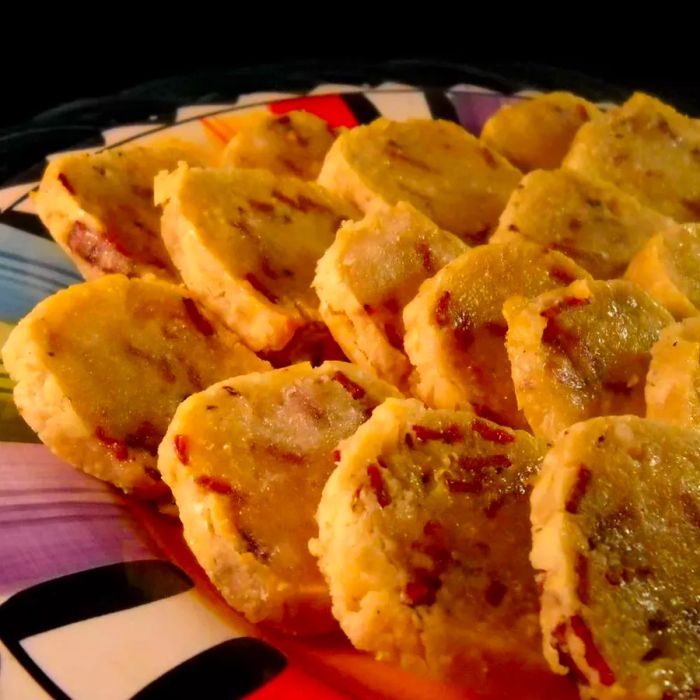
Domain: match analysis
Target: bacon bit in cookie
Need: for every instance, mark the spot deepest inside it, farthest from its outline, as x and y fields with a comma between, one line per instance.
x=566, y=302
x=259, y=287
x=593, y=656
x=336, y=456
x=146, y=437
x=583, y=478
x=423, y=588
x=182, y=448
x=690, y=509
x=582, y=112
x=558, y=642
x=653, y=654
x=495, y=593
x=618, y=388
x=253, y=546
x=487, y=432
x=487, y=461
x=492, y=508
x=488, y=157
x=513, y=227
x=215, y=485
x=433, y=529
x=408, y=438
x=267, y=269
x=393, y=336
x=117, y=447
x=391, y=305
x=463, y=331
x=264, y=207
x=442, y=309
x=423, y=250
x=581, y=569
x=693, y=206
x=197, y=318
x=449, y=435
x=230, y=390
x=153, y=473
x=378, y=486
x=561, y=275
x=657, y=623
x=355, y=390
x=63, y=179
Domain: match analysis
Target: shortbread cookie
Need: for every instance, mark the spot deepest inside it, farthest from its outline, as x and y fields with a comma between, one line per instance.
x=616, y=537
x=437, y=166
x=246, y=461
x=582, y=351
x=591, y=221
x=369, y=274
x=424, y=539
x=455, y=328
x=101, y=367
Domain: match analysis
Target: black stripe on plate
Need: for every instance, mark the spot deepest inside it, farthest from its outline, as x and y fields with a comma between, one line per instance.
x=361, y=107
x=230, y=670
x=32, y=274
x=440, y=105
x=39, y=263
x=82, y=596
x=29, y=223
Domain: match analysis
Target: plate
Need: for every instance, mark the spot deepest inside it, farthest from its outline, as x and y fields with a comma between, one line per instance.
x=99, y=596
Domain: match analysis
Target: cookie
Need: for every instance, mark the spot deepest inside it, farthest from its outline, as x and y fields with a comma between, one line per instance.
x=99, y=208
x=247, y=242
x=672, y=390
x=591, y=221
x=455, y=328
x=616, y=537
x=648, y=150
x=668, y=267
x=369, y=274
x=582, y=351
x=101, y=367
x=424, y=539
x=293, y=144
x=537, y=132
x=246, y=461
x=435, y=165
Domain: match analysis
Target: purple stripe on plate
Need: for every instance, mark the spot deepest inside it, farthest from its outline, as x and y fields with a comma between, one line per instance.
x=45, y=540
x=474, y=110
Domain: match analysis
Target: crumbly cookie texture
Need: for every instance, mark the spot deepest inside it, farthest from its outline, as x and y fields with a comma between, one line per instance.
x=647, y=149
x=99, y=208
x=668, y=267
x=582, y=351
x=293, y=144
x=247, y=242
x=672, y=390
x=424, y=539
x=592, y=221
x=246, y=461
x=455, y=328
x=537, y=132
x=101, y=367
x=616, y=536
x=369, y=274
x=437, y=166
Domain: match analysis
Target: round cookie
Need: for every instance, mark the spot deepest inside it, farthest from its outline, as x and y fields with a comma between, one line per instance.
x=247, y=242
x=436, y=165
x=246, y=461
x=294, y=143
x=582, y=351
x=424, y=539
x=369, y=274
x=101, y=367
x=99, y=207
x=616, y=537
x=537, y=132
x=668, y=267
x=672, y=390
x=455, y=328
x=592, y=221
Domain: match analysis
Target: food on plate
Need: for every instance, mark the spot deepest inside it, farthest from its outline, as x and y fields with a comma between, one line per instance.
x=668, y=267
x=101, y=367
x=537, y=132
x=424, y=539
x=294, y=143
x=369, y=274
x=616, y=537
x=247, y=243
x=246, y=461
x=591, y=221
x=647, y=149
x=435, y=165
x=99, y=207
x=455, y=329
x=673, y=383
x=582, y=351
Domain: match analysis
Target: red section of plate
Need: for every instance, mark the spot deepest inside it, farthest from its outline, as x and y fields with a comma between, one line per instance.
x=332, y=108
